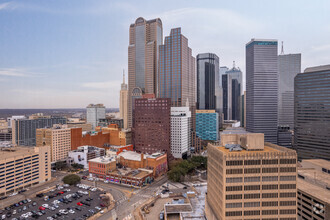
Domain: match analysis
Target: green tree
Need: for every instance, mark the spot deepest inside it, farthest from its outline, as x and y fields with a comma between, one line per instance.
x=71, y=179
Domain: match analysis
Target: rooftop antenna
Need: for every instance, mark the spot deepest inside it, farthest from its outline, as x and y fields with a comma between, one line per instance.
x=123, y=76
x=282, y=51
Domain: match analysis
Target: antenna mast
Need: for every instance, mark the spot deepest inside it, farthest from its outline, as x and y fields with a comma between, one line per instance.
x=282, y=51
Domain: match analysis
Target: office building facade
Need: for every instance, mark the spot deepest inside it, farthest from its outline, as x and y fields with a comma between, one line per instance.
x=180, y=131
x=262, y=88
x=152, y=126
x=94, y=114
x=23, y=167
x=289, y=65
x=208, y=88
x=312, y=113
x=207, y=125
x=24, y=130
x=145, y=36
x=250, y=179
x=177, y=72
x=123, y=110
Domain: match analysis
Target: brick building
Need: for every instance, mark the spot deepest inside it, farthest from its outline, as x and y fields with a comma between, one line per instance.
x=152, y=126
x=101, y=166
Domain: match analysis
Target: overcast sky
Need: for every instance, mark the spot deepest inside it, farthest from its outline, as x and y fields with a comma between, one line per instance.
x=69, y=53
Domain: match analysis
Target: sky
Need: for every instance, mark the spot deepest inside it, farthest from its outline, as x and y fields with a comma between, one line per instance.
x=69, y=53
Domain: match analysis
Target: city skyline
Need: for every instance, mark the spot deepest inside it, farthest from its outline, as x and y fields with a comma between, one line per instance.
x=69, y=54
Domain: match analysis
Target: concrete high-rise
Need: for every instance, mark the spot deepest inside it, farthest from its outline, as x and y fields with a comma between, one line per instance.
x=262, y=88
x=208, y=80
x=289, y=65
x=250, y=179
x=152, y=126
x=24, y=130
x=123, y=110
x=312, y=113
x=94, y=113
x=177, y=72
x=145, y=36
x=180, y=131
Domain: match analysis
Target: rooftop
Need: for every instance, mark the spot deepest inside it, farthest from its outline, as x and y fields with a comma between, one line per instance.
x=315, y=177
x=177, y=208
x=317, y=69
x=103, y=160
x=132, y=155
x=314, y=190
x=319, y=162
x=9, y=152
x=138, y=173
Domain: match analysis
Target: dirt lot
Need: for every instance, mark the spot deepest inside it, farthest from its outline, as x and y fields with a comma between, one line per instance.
x=158, y=207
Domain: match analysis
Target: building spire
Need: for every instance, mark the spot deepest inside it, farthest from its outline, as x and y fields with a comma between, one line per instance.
x=234, y=64
x=123, y=76
x=282, y=51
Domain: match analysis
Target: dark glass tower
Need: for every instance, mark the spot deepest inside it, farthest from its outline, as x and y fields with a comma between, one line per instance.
x=312, y=113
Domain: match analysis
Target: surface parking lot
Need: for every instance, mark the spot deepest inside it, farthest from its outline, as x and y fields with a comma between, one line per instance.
x=67, y=199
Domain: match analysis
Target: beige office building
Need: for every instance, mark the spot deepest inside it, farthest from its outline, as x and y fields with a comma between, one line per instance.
x=22, y=167
x=144, y=40
x=58, y=138
x=313, y=189
x=250, y=179
x=123, y=102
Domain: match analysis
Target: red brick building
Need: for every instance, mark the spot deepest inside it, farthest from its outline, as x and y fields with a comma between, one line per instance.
x=152, y=126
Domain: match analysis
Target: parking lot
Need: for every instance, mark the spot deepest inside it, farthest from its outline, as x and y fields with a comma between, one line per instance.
x=69, y=202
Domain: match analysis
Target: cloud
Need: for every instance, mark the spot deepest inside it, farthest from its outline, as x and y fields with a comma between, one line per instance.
x=4, y=5
x=17, y=72
x=324, y=47
x=112, y=85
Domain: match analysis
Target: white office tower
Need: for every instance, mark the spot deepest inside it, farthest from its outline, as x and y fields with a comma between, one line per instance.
x=94, y=113
x=180, y=118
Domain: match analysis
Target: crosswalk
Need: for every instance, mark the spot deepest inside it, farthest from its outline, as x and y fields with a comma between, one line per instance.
x=121, y=200
x=128, y=217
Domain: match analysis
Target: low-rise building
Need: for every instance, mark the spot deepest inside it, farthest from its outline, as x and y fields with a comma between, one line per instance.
x=133, y=177
x=113, y=151
x=157, y=162
x=22, y=167
x=85, y=153
x=101, y=167
x=313, y=189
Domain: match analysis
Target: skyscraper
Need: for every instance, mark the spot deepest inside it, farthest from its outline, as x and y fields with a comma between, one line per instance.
x=232, y=91
x=312, y=113
x=152, y=126
x=207, y=125
x=289, y=65
x=208, y=88
x=177, y=73
x=123, y=102
x=94, y=113
x=262, y=88
x=144, y=40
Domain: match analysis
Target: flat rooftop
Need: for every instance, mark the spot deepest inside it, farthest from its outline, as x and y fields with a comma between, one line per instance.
x=266, y=149
x=314, y=190
x=319, y=162
x=315, y=177
x=138, y=174
x=177, y=208
x=103, y=160
x=234, y=130
x=132, y=155
x=9, y=152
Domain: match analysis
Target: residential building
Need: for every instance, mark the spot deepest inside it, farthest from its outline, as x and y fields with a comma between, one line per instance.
x=23, y=167
x=14, y=117
x=250, y=179
x=24, y=130
x=6, y=135
x=85, y=153
x=177, y=73
x=152, y=126
x=58, y=138
x=95, y=113
x=123, y=102
x=105, y=122
x=262, y=88
x=180, y=131
x=232, y=91
x=208, y=82
x=145, y=36
x=101, y=166
x=207, y=125
x=157, y=162
x=289, y=65
x=312, y=113
x=313, y=189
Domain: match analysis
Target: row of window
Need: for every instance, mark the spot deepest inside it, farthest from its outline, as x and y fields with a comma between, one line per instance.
x=264, y=212
x=258, y=162
x=264, y=170
x=264, y=195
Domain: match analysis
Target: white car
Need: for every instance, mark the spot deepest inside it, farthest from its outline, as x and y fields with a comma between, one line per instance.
x=68, y=190
x=3, y=216
x=63, y=211
x=52, y=208
x=66, y=185
x=29, y=214
x=45, y=206
x=14, y=212
x=98, y=208
x=49, y=218
x=29, y=200
x=71, y=211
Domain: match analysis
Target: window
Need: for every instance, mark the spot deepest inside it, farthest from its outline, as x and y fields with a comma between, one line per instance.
x=270, y=170
x=234, y=188
x=271, y=203
x=287, y=195
x=234, y=171
x=234, y=205
x=252, y=179
x=274, y=161
x=287, y=211
x=235, y=196
x=237, y=213
x=252, y=170
x=254, y=212
x=234, y=162
x=287, y=186
x=251, y=204
x=269, y=178
x=252, y=196
x=252, y=187
x=287, y=203
x=234, y=180
x=269, y=195
x=252, y=162
x=287, y=169
x=287, y=178
x=269, y=212
x=269, y=187
x=288, y=161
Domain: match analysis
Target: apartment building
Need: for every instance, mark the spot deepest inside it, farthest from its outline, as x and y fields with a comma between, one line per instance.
x=58, y=138
x=250, y=179
x=22, y=167
x=85, y=153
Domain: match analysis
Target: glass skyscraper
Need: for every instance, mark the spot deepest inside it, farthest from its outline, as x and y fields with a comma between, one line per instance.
x=262, y=88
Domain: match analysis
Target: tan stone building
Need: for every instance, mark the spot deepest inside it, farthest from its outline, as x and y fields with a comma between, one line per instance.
x=250, y=179
x=144, y=40
x=22, y=167
x=313, y=189
x=123, y=102
x=58, y=138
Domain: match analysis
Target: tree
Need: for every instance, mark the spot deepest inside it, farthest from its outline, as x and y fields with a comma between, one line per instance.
x=71, y=179
x=77, y=166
